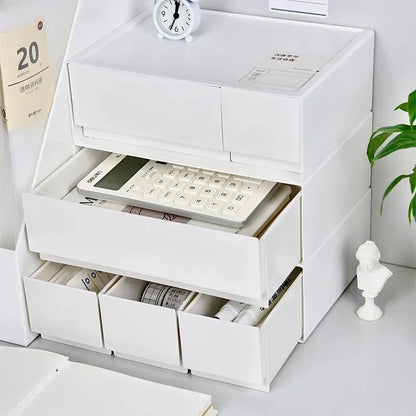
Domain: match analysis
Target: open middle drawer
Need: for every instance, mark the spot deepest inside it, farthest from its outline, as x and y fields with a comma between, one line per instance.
x=207, y=260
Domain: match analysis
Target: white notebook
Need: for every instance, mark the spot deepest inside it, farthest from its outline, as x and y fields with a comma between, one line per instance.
x=40, y=383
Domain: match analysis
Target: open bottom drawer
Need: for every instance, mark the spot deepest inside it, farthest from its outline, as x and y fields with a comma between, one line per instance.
x=249, y=356
x=140, y=331
x=62, y=313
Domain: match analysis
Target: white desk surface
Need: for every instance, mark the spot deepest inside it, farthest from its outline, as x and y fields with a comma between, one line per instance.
x=347, y=367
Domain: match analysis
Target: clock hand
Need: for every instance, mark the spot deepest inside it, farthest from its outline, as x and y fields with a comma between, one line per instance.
x=176, y=14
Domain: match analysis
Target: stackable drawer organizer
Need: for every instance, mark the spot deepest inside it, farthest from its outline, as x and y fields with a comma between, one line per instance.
x=133, y=93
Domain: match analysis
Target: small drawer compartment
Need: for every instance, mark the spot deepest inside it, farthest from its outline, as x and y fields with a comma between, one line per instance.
x=143, y=106
x=140, y=331
x=216, y=261
x=240, y=354
x=63, y=313
x=249, y=114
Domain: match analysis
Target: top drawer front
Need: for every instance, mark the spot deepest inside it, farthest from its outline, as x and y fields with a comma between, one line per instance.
x=145, y=106
x=261, y=124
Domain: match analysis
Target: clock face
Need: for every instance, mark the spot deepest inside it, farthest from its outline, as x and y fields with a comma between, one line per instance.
x=174, y=17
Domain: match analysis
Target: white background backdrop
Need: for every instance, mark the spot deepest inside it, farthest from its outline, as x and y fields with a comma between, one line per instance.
x=395, y=77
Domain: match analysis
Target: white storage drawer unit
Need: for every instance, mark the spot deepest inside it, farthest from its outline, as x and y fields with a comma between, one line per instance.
x=249, y=356
x=62, y=313
x=202, y=259
x=132, y=86
x=228, y=101
x=139, y=331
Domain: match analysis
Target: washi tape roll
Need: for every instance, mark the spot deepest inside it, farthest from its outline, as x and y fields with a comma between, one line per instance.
x=167, y=296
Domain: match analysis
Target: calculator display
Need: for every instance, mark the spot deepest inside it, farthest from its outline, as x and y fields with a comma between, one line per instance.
x=121, y=173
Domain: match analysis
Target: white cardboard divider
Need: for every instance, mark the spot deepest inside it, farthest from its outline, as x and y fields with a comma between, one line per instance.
x=62, y=313
x=249, y=356
x=139, y=331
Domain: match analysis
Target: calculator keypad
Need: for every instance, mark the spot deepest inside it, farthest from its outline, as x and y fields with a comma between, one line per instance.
x=213, y=193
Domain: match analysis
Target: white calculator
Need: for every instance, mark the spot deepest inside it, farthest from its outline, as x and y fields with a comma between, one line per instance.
x=201, y=194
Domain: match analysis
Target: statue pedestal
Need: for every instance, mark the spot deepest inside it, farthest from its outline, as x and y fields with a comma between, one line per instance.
x=369, y=311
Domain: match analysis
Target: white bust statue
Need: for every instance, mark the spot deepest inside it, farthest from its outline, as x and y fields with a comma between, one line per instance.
x=371, y=277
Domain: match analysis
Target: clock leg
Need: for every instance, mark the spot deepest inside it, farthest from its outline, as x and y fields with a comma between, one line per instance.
x=189, y=38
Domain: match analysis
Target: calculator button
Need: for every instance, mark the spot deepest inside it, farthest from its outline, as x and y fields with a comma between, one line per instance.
x=201, y=179
x=223, y=175
x=198, y=202
x=217, y=182
x=223, y=196
x=167, y=196
x=182, y=199
x=247, y=179
x=134, y=189
x=230, y=209
x=171, y=172
x=154, y=174
x=150, y=173
x=191, y=189
x=208, y=192
x=193, y=169
x=232, y=185
x=178, y=167
x=208, y=172
x=161, y=183
x=152, y=193
x=248, y=188
x=176, y=186
x=239, y=199
x=185, y=175
x=214, y=206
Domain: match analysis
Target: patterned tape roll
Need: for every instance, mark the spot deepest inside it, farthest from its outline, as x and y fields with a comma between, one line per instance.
x=161, y=295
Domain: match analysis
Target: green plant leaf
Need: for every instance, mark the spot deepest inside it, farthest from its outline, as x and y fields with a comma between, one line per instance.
x=397, y=128
x=390, y=188
x=378, y=138
x=412, y=180
x=412, y=107
x=374, y=144
x=412, y=209
x=402, y=141
x=403, y=106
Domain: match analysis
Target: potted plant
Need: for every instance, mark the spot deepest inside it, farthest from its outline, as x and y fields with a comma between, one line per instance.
x=390, y=139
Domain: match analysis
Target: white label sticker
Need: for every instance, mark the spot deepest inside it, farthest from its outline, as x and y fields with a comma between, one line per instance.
x=284, y=71
x=26, y=83
x=319, y=7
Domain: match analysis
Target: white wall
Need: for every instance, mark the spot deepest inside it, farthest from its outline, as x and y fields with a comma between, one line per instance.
x=395, y=77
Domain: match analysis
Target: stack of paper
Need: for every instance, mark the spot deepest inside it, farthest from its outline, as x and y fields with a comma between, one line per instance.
x=41, y=383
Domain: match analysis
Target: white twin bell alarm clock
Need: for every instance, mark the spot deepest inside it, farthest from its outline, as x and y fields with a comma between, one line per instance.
x=176, y=19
